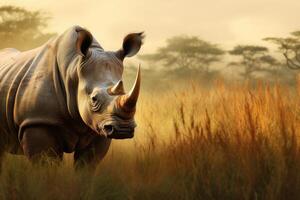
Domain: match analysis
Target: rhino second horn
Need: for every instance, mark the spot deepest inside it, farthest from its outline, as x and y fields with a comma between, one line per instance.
x=128, y=101
x=117, y=89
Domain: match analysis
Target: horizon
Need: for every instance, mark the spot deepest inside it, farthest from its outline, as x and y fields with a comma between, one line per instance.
x=238, y=22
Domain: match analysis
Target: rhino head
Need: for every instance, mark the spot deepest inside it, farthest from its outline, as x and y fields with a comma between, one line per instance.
x=102, y=102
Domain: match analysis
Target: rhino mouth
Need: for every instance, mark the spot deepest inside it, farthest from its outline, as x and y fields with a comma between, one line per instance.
x=114, y=132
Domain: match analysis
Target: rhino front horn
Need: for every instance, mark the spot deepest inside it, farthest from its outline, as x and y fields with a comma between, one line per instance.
x=128, y=101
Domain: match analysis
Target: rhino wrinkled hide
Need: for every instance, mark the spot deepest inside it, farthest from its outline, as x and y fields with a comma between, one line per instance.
x=66, y=96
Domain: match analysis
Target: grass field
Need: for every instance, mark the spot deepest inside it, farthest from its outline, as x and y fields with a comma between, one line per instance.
x=226, y=142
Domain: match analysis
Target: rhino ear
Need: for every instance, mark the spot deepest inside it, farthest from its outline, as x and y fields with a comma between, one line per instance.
x=131, y=45
x=84, y=41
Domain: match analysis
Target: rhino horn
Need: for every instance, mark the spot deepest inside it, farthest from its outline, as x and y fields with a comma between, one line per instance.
x=128, y=101
x=117, y=89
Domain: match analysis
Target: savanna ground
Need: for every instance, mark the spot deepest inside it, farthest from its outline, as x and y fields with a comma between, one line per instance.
x=235, y=141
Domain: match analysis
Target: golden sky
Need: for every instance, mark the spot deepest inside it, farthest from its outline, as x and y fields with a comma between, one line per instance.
x=227, y=22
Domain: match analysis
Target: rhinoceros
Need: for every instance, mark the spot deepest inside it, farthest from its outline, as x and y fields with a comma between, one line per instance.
x=66, y=96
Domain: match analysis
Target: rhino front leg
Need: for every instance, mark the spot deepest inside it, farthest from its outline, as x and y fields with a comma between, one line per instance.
x=90, y=156
x=40, y=141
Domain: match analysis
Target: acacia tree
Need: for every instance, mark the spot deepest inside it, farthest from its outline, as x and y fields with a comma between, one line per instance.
x=253, y=59
x=290, y=48
x=185, y=52
x=21, y=28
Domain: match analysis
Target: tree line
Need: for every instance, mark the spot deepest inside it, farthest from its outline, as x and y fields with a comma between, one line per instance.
x=182, y=57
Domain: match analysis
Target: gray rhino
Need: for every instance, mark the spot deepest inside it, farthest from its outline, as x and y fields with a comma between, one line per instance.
x=66, y=96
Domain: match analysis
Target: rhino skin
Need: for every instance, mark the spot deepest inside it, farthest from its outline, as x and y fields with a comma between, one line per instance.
x=66, y=96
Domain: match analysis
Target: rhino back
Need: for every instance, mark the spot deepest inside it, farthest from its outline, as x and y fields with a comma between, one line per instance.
x=28, y=95
x=13, y=66
x=36, y=89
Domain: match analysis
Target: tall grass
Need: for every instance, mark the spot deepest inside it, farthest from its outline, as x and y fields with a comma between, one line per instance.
x=229, y=142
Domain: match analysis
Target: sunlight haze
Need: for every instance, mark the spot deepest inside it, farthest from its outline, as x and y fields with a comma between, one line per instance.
x=226, y=22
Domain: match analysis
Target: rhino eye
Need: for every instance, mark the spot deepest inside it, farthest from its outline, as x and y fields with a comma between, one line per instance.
x=95, y=104
x=94, y=98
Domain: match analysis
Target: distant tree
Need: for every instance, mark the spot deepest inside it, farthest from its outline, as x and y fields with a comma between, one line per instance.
x=185, y=52
x=253, y=59
x=21, y=28
x=290, y=48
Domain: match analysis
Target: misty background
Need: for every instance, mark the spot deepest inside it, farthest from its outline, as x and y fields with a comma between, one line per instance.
x=197, y=41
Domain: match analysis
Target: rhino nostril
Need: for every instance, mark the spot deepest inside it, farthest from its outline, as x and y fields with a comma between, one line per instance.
x=109, y=129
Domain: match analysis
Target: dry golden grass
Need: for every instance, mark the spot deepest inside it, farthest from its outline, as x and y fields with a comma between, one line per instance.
x=227, y=142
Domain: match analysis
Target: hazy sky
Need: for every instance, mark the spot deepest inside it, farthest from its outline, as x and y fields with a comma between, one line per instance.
x=226, y=22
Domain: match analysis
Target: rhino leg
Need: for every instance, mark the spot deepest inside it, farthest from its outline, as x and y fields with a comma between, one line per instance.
x=40, y=141
x=1, y=157
x=93, y=154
